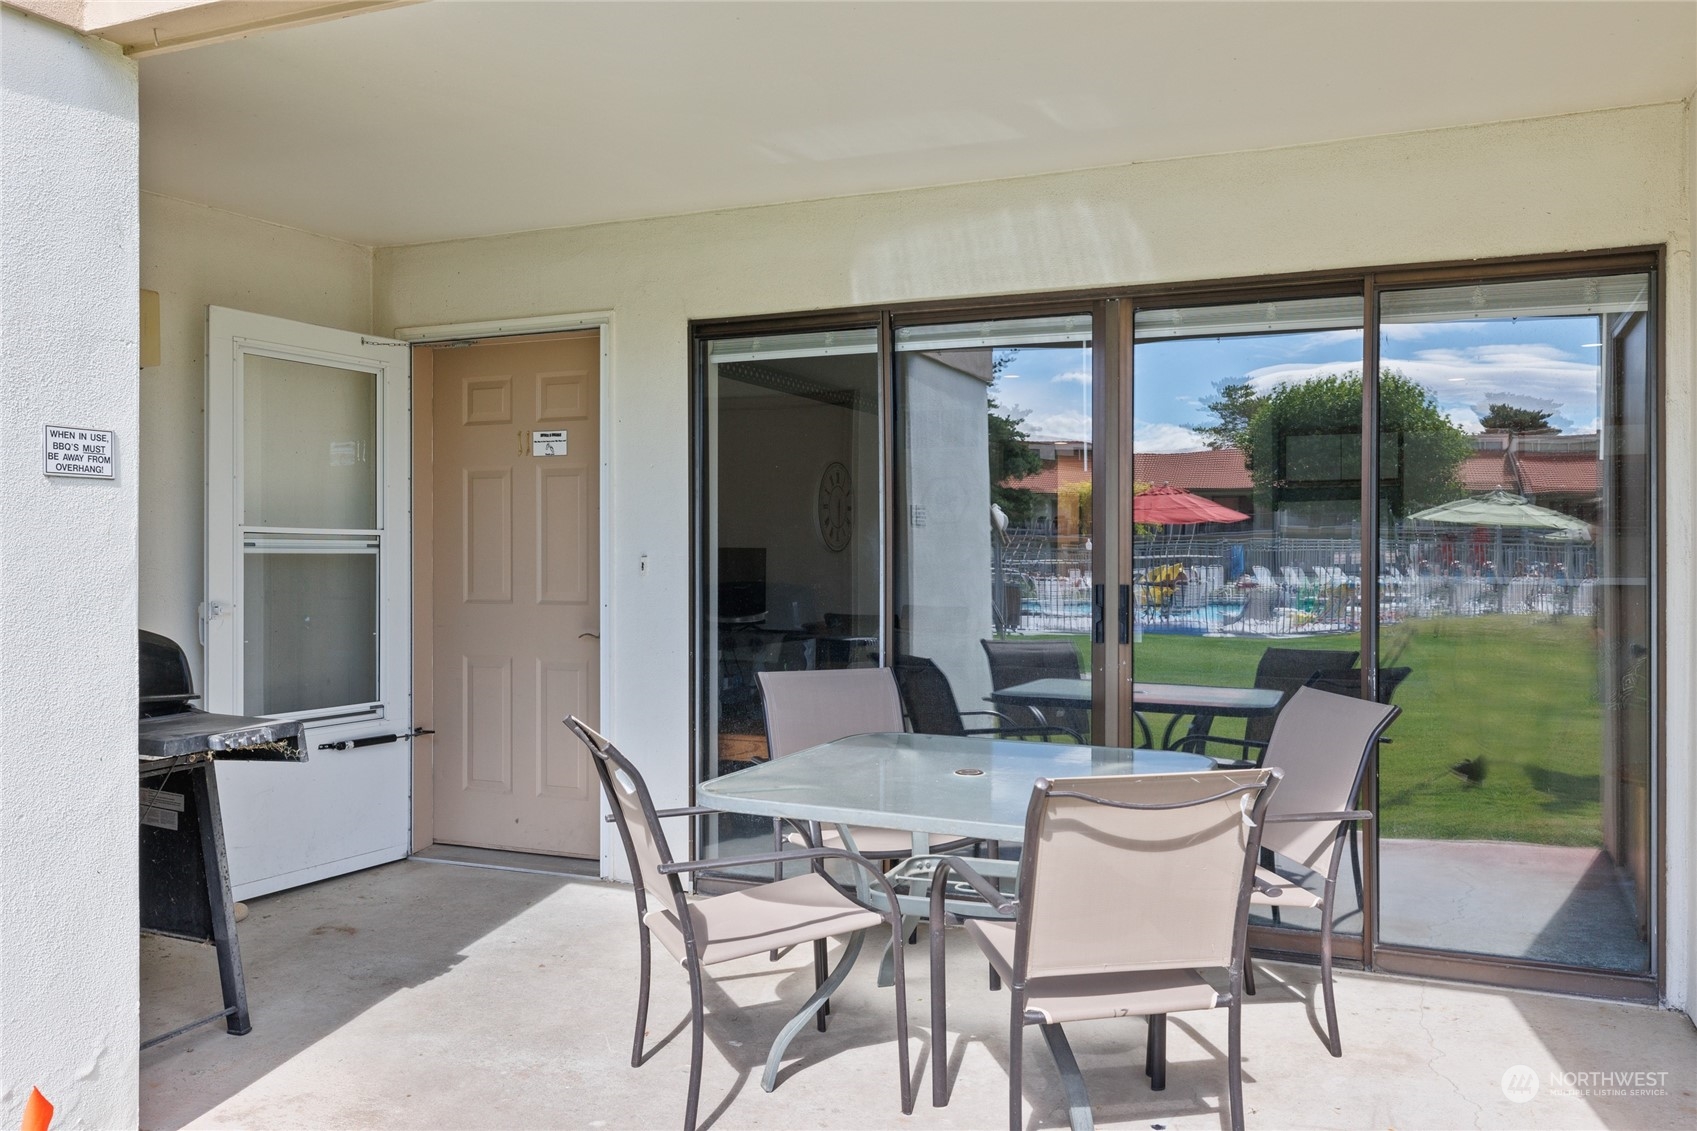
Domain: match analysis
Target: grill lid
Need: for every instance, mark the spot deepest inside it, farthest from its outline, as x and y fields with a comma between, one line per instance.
x=167, y=686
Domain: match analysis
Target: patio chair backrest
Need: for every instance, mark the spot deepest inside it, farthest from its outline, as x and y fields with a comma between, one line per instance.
x=927, y=697
x=804, y=709
x=1347, y=681
x=1321, y=741
x=633, y=813
x=1013, y=662
x=1285, y=670
x=1138, y=872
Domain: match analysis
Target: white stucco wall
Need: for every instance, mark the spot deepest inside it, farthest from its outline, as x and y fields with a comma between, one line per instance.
x=68, y=355
x=197, y=257
x=1608, y=179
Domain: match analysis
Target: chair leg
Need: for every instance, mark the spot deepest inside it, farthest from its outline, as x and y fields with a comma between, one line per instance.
x=641, y=1000
x=1248, y=971
x=1155, y=1059
x=697, y=1023
x=1016, y=1038
x=939, y=1019
x=1234, y=1060
x=819, y=980
x=901, y=1019
x=1333, y=1042
x=995, y=979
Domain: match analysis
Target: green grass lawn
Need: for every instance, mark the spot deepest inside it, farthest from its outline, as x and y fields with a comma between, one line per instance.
x=1521, y=694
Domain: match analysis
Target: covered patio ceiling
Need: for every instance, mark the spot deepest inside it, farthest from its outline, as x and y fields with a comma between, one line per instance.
x=451, y=119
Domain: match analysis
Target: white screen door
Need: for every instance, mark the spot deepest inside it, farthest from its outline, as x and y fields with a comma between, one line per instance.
x=308, y=590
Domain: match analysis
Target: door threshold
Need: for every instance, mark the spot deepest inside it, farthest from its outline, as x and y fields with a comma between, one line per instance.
x=500, y=860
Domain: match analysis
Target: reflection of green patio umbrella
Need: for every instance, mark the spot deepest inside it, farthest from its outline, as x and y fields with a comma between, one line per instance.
x=1500, y=508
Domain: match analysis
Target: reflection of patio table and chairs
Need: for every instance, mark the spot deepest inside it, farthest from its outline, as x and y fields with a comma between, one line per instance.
x=1201, y=703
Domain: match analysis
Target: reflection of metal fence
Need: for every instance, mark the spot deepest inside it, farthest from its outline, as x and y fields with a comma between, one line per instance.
x=1276, y=586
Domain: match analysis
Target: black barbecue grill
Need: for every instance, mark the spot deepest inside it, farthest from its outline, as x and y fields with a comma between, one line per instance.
x=185, y=880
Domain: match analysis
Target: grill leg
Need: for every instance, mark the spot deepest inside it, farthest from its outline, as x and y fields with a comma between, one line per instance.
x=205, y=790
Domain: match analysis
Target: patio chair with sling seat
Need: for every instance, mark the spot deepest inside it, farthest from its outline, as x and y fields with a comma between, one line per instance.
x=806, y=709
x=932, y=708
x=1013, y=662
x=1322, y=742
x=1130, y=888
x=703, y=932
x=1279, y=669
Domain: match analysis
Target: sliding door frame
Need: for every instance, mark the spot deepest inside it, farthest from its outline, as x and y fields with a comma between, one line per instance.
x=1113, y=313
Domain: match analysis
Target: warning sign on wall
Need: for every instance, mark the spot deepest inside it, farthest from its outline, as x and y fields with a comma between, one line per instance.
x=82, y=453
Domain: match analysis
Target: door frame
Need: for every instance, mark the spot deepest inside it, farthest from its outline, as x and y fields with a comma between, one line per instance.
x=425, y=340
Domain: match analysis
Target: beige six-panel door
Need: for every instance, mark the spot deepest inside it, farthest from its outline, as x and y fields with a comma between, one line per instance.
x=515, y=605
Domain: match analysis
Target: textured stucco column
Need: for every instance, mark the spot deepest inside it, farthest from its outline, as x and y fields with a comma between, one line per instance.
x=68, y=355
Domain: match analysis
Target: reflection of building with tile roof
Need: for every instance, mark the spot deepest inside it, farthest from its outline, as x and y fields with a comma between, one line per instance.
x=1219, y=476
x=1559, y=472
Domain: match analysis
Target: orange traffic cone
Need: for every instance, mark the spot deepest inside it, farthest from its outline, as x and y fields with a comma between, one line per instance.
x=38, y=1113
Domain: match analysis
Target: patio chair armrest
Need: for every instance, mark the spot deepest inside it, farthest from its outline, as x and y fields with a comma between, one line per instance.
x=991, y=714
x=1310, y=818
x=687, y=811
x=1195, y=740
x=891, y=912
x=998, y=901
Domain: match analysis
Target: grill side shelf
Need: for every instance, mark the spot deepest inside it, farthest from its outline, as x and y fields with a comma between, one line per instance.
x=227, y=736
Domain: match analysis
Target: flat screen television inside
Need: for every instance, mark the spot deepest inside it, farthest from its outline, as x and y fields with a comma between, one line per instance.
x=742, y=583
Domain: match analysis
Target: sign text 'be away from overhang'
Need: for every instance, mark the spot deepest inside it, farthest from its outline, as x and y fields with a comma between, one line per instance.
x=80, y=453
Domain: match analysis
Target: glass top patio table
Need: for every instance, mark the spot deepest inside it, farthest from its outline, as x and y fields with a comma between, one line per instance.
x=1188, y=698
x=924, y=783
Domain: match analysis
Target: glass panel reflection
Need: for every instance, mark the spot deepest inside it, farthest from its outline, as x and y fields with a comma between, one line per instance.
x=309, y=445
x=1514, y=571
x=792, y=559
x=993, y=555
x=1246, y=543
x=309, y=631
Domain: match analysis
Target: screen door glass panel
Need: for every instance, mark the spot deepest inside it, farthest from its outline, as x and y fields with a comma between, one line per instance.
x=309, y=445
x=310, y=627
x=1515, y=579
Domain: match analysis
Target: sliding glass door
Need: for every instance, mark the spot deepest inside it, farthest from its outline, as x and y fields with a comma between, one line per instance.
x=1431, y=487
x=791, y=548
x=1245, y=547
x=1517, y=616
x=994, y=572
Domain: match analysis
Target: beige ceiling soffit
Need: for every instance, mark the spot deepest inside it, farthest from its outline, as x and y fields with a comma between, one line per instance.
x=66, y=13
x=198, y=25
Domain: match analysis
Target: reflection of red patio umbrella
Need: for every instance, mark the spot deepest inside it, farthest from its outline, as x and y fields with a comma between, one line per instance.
x=1174, y=506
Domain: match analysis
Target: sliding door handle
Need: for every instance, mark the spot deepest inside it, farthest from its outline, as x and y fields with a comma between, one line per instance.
x=1098, y=614
x=1125, y=614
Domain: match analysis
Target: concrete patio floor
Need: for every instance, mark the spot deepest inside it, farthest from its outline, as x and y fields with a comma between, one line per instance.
x=428, y=995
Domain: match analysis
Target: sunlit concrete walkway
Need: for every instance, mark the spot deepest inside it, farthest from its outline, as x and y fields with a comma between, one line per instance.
x=423, y=995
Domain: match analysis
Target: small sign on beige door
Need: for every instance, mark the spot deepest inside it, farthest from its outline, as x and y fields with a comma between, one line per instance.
x=548, y=443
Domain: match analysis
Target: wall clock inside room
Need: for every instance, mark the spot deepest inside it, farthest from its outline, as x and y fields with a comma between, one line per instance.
x=836, y=506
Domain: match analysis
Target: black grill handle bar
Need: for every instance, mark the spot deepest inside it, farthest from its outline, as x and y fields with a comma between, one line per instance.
x=374, y=740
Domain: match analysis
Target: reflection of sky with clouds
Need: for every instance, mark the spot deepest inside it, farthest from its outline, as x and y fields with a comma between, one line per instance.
x=1548, y=364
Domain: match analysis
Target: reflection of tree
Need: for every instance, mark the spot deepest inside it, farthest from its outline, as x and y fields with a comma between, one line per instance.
x=1233, y=406
x=1304, y=441
x=1011, y=458
x=1524, y=421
